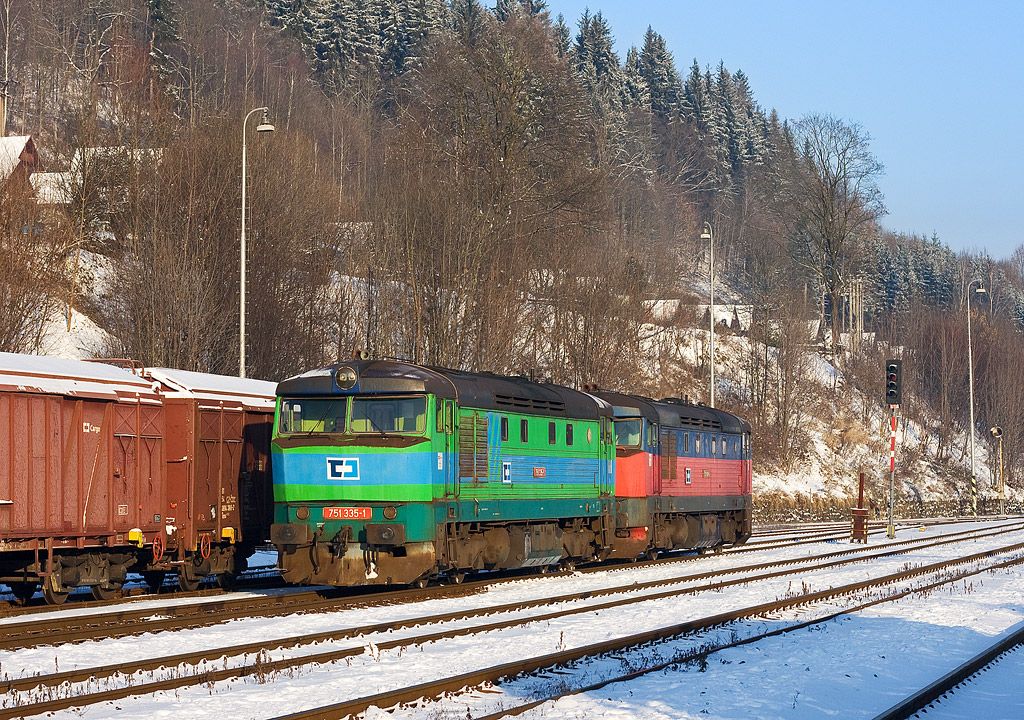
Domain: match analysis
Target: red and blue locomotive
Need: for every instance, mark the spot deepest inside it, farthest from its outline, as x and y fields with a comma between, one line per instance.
x=682, y=474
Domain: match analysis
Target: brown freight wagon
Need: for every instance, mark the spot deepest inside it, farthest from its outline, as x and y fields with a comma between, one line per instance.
x=105, y=471
x=82, y=474
x=219, y=500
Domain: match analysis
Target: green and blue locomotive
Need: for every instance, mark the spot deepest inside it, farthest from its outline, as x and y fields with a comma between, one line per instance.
x=391, y=472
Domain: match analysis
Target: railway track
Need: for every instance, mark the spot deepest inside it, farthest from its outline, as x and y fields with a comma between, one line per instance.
x=56, y=683
x=126, y=621
x=562, y=662
x=948, y=683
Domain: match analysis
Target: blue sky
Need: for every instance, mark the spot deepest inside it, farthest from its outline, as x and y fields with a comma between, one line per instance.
x=937, y=84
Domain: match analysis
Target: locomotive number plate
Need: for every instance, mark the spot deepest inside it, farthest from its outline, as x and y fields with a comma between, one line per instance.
x=348, y=513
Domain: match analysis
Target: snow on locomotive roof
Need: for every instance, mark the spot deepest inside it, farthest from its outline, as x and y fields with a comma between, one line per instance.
x=206, y=386
x=76, y=378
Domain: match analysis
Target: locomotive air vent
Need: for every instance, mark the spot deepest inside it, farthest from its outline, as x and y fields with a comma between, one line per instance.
x=514, y=401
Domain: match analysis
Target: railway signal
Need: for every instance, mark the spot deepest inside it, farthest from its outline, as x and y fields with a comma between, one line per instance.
x=893, y=398
x=893, y=382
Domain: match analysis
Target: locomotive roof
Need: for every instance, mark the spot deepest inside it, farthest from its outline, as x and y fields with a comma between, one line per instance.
x=672, y=412
x=74, y=378
x=477, y=390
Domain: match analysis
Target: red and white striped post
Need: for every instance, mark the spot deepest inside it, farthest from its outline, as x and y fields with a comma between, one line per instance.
x=891, y=531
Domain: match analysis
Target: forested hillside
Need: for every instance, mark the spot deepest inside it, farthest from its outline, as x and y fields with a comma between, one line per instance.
x=481, y=187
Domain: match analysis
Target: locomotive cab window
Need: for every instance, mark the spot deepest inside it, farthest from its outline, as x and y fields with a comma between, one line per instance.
x=696, y=444
x=627, y=433
x=312, y=416
x=389, y=415
x=524, y=430
x=714, y=445
x=686, y=443
x=568, y=433
x=552, y=433
x=504, y=429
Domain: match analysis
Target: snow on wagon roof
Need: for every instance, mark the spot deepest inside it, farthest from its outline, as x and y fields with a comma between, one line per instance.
x=205, y=386
x=76, y=378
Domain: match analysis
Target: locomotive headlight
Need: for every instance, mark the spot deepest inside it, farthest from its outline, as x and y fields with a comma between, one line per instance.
x=302, y=513
x=346, y=377
x=390, y=513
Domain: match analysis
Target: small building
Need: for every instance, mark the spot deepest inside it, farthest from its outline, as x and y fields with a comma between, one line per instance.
x=18, y=160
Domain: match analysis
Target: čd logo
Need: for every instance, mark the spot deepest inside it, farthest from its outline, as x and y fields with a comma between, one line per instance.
x=342, y=468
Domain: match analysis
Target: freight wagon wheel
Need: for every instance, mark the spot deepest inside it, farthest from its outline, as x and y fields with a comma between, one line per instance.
x=186, y=580
x=457, y=578
x=155, y=579
x=23, y=591
x=54, y=597
x=105, y=593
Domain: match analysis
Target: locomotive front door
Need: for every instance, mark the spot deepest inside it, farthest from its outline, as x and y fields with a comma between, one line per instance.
x=449, y=459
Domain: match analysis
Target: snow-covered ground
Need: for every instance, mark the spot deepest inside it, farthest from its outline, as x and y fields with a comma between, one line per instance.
x=779, y=677
x=996, y=693
x=854, y=667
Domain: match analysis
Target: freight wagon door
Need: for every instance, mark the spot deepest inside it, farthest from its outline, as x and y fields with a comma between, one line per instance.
x=218, y=460
x=138, y=482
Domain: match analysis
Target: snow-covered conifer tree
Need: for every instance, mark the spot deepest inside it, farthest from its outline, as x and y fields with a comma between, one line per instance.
x=659, y=72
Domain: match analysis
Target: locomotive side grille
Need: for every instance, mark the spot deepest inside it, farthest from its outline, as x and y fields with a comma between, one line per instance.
x=521, y=403
x=473, y=448
x=669, y=452
x=700, y=422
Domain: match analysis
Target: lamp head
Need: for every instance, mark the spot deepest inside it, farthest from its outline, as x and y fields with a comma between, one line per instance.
x=265, y=125
x=705, y=233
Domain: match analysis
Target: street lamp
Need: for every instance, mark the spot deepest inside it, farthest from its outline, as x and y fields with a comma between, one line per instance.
x=997, y=433
x=263, y=127
x=970, y=391
x=708, y=236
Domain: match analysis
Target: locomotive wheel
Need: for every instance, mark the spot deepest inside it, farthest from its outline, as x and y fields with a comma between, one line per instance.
x=227, y=580
x=23, y=592
x=54, y=597
x=105, y=593
x=155, y=579
x=652, y=554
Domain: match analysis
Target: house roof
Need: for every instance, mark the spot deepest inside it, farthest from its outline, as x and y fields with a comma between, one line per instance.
x=13, y=150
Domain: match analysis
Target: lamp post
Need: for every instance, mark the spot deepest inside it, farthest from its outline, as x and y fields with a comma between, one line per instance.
x=709, y=236
x=970, y=391
x=264, y=126
x=997, y=433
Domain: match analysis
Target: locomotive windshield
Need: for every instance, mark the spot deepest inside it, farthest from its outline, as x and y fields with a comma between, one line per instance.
x=312, y=416
x=389, y=415
x=627, y=432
